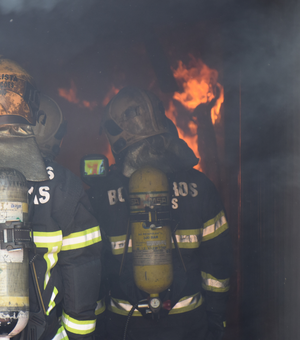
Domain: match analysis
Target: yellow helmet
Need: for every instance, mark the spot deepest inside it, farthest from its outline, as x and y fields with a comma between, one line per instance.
x=19, y=99
x=50, y=127
x=133, y=115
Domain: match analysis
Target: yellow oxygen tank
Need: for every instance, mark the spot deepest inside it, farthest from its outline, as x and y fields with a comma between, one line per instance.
x=14, y=267
x=151, y=232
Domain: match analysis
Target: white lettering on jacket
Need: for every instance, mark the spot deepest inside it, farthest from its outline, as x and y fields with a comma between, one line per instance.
x=50, y=172
x=184, y=189
x=43, y=194
x=115, y=196
x=174, y=203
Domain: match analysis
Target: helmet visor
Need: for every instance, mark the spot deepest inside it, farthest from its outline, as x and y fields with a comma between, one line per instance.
x=19, y=101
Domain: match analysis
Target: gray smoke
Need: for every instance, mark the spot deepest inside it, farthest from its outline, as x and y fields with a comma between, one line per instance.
x=17, y=6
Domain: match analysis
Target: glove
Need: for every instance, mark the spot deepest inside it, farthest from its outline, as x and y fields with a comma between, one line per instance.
x=215, y=326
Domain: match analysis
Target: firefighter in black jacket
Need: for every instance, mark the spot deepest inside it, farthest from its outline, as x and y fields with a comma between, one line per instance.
x=193, y=306
x=65, y=259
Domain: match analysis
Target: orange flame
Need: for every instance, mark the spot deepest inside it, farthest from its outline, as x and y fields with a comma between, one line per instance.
x=71, y=96
x=111, y=93
x=198, y=82
x=191, y=137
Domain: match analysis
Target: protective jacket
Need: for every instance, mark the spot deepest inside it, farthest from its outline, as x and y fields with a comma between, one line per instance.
x=201, y=259
x=65, y=281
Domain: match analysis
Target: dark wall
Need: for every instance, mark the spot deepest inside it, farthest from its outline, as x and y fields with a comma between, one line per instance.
x=262, y=125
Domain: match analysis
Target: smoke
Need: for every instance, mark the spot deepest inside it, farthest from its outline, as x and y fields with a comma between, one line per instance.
x=17, y=6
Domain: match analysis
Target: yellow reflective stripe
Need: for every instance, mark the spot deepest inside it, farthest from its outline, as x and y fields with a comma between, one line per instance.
x=51, y=304
x=78, y=326
x=118, y=244
x=188, y=238
x=214, y=227
x=61, y=334
x=187, y=304
x=53, y=242
x=214, y=285
x=100, y=308
x=121, y=307
x=81, y=239
x=43, y=239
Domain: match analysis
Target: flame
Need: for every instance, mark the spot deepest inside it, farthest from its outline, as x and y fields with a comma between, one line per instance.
x=190, y=137
x=199, y=83
x=71, y=96
x=111, y=93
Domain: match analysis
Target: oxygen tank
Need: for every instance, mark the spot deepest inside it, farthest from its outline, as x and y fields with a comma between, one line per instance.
x=151, y=232
x=14, y=267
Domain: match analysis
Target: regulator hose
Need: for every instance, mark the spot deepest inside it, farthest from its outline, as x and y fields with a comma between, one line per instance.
x=129, y=316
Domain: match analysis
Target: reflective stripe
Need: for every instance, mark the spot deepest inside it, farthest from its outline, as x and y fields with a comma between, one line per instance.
x=214, y=285
x=185, y=304
x=42, y=239
x=214, y=227
x=51, y=304
x=61, y=334
x=188, y=238
x=81, y=239
x=121, y=307
x=118, y=244
x=77, y=326
x=53, y=242
x=100, y=308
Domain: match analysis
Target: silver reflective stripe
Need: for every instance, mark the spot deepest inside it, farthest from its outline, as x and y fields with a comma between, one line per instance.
x=122, y=307
x=120, y=244
x=100, y=308
x=187, y=238
x=75, y=326
x=216, y=285
x=186, y=304
x=61, y=334
x=215, y=226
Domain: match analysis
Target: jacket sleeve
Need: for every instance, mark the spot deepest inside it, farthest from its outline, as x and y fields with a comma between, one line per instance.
x=80, y=266
x=216, y=254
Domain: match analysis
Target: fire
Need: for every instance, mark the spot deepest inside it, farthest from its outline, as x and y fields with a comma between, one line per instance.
x=71, y=96
x=199, y=84
x=111, y=93
x=191, y=137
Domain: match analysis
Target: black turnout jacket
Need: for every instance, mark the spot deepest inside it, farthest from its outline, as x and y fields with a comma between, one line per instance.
x=201, y=259
x=66, y=258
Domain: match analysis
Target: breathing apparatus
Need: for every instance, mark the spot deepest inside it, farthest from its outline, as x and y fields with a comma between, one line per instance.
x=20, y=161
x=151, y=233
x=15, y=238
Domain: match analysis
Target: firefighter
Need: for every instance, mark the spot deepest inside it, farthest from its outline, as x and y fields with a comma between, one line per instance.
x=50, y=127
x=65, y=259
x=192, y=304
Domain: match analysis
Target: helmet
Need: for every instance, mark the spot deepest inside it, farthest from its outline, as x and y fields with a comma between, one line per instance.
x=50, y=127
x=19, y=99
x=133, y=115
